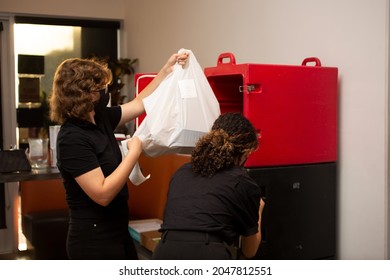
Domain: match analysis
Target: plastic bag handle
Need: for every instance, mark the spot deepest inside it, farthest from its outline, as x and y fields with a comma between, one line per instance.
x=311, y=59
x=230, y=56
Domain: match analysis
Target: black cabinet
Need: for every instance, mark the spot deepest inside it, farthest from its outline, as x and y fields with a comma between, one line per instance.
x=30, y=117
x=298, y=221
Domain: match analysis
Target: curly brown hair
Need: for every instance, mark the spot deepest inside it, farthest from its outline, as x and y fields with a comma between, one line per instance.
x=76, y=86
x=231, y=137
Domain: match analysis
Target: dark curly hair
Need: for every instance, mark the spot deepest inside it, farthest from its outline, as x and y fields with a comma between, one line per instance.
x=231, y=137
x=76, y=86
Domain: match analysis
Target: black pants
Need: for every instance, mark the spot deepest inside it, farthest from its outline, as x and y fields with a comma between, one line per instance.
x=190, y=245
x=90, y=239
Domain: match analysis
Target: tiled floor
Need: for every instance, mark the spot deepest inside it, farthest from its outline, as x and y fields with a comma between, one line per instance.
x=21, y=255
x=26, y=251
x=143, y=254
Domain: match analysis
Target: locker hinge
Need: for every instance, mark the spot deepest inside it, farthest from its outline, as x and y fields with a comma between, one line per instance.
x=247, y=88
x=255, y=88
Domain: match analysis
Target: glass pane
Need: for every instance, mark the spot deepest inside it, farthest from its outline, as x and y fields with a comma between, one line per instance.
x=40, y=46
x=54, y=43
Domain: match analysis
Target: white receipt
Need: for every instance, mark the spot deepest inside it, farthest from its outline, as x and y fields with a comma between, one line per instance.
x=187, y=88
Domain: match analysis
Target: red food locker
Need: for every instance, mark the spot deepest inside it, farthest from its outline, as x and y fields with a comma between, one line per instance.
x=141, y=80
x=294, y=108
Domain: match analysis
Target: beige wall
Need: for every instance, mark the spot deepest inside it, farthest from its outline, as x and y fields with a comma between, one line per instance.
x=112, y=9
x=350, y=35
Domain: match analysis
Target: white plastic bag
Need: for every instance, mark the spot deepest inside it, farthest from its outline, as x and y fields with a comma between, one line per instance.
x=181, y=110
x=136, y=176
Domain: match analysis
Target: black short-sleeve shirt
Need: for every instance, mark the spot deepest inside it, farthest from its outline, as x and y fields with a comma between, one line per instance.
x=226, y=204
x=83, y=146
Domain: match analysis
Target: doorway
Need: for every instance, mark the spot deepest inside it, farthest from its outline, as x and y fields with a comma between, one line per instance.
x=43, y=43
x=3, y=223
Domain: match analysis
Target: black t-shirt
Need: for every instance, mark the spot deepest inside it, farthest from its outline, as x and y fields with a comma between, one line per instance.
x=83, y=146
x=226, y=204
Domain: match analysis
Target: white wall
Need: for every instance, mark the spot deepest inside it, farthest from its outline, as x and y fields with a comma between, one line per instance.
x=350, y=35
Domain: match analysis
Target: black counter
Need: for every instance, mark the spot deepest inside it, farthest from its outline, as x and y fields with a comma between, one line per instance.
x=48, y=173
x=33, y=175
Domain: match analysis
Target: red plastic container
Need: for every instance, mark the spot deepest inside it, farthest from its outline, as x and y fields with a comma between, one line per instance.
x=294, y=108
x=141, y=80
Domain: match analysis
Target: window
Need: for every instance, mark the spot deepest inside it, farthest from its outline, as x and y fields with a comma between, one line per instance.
x=43, y=43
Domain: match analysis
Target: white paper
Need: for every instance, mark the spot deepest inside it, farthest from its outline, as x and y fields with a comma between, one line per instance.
x=145, y=225
x=187, y=88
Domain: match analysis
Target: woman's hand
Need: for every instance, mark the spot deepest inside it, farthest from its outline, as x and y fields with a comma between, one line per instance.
x=179, y=58
x=134, y=144
x=135, y=107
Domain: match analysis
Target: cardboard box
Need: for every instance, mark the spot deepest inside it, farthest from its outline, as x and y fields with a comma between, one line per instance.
x=150, y=239
x=136, y=227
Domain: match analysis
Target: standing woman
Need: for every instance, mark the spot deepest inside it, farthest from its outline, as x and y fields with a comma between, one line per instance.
x=89, y=159
x=212, y=200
